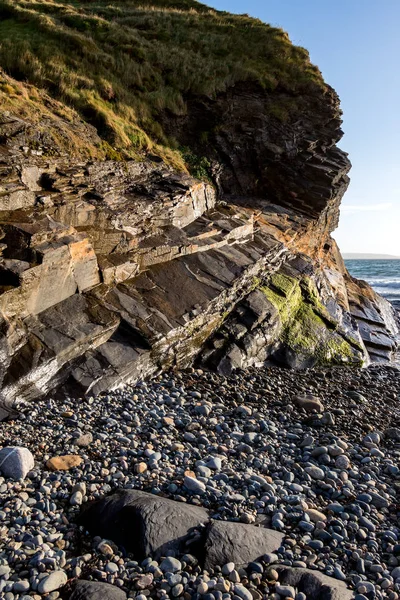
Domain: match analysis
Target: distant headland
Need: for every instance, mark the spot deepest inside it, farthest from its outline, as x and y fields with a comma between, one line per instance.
x=362, y=256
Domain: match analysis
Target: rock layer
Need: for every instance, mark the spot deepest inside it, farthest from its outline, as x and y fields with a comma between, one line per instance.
x=112, y=271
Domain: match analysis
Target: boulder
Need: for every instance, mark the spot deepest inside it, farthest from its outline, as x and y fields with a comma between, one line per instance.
x=93, y=590
x=145, y=524
x=315, y=585
x=16, y=462
x=238, y=543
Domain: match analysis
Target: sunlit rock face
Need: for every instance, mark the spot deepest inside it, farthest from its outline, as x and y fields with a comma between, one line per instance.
x=113, y=271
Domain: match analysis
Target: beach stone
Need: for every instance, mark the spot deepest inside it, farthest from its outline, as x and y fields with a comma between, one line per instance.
x=309, y=403
x=315, y=472
x=164, y=524
x=243, y=592
x=315, y=515
x=84, y=440
x=93, y=590
x=16, y=462
x=342, y=462
x=328, y=419
x=193, y=485
x=315, y=585
x=170, y=565
x=64, y=463
x=140, y=468
x=52, y=582
x=286, y=591
x=238, y=543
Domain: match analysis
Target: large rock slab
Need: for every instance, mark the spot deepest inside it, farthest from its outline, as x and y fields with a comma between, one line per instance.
x=238, y=543
x=144, y=524
x=94, y=590
x=315, y=585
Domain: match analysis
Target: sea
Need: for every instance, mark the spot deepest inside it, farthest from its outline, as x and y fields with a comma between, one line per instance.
x=382, y=275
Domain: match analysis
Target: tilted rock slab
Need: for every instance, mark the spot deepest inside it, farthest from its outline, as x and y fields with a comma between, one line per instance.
x=149, y=525
x=314, y=584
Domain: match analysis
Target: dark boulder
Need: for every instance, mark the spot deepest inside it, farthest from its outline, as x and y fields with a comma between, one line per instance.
x=145, y=524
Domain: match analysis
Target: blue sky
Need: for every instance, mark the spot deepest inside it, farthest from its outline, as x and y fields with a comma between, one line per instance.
x=356, y=44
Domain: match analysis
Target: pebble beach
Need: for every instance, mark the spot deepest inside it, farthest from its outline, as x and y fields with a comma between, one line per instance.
x=313, y=454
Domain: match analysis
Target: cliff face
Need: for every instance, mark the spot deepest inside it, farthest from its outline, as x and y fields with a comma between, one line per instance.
x=112, y=270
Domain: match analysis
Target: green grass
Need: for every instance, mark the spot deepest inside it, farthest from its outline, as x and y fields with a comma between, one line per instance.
x=123, y=64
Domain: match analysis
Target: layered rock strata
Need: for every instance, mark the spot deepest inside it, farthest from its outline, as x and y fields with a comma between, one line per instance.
x=112, y=271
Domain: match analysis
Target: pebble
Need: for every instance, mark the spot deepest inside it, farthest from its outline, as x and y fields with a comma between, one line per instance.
x=315, y=472
x=194, y=485
x=52, y=582
x=170, y=565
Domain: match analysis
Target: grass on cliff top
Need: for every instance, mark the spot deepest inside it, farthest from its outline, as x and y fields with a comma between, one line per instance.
x=121, y=64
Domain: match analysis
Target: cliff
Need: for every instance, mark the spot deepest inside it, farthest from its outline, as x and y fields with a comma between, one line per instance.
x=116, y=263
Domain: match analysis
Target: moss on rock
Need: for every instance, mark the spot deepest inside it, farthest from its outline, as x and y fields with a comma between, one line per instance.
x=308, y=331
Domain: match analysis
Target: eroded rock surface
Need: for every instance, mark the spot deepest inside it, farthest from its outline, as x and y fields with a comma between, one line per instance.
x=113, y=271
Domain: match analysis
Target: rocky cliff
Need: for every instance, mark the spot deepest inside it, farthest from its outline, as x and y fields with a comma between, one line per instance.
x=113, y=270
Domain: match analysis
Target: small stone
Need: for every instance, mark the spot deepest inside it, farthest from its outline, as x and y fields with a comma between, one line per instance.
x=202, y=588
x=64, y=463
x=140, y=467
x=52, y=582
x=84, y=440
x=244, y=411
x=112, y=568
x=315, y=472
x=286, y=591
x=315, y=515
x=193, y=485
x=309, y=403
x=177, y=447
x=214, y=463
x=21, y=586
x=67, y=414
x=76, y=499
x=144, y=582
x=228, y=568
x=342, y=462
x=328, y=419
x=170, y=565
x=105, y=548
x=177, y=590
x=243, y=592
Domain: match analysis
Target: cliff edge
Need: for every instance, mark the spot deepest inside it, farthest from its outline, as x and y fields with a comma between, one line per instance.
x=166, y=202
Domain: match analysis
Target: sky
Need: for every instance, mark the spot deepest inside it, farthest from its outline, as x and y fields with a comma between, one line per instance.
x=356, y=45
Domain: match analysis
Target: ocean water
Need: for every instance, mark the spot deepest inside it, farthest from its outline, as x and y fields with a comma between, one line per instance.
x=382, y=275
